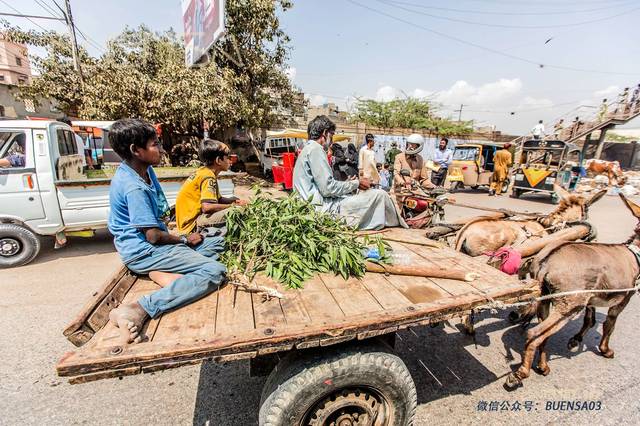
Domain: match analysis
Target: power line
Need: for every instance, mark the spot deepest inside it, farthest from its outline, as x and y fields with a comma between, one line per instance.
x=29, y=16
x=483, y=24
x=484, y=12
x=49, y=9
x=17, y=11
x=488, y=49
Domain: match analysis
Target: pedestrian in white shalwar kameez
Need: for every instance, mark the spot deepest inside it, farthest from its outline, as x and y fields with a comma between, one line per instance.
x=314, y=181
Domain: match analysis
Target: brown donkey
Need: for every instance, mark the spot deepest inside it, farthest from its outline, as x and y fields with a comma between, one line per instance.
x=488, y=235
x=573, y=266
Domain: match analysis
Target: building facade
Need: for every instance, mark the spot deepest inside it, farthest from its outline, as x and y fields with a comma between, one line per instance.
x=15, y=68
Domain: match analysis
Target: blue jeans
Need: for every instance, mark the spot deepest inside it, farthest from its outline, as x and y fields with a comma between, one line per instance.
x=202, y=273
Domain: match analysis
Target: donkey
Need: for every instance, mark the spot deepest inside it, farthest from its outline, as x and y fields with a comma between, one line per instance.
x=490, y=234
x=573, y=266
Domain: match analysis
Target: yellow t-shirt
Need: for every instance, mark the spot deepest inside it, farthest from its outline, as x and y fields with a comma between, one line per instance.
x=201, y=186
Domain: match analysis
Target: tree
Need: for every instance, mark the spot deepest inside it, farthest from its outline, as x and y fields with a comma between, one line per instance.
x=142, y=74
x=407, y=113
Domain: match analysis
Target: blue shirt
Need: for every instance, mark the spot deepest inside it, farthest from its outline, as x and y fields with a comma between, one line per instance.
x=135, y=205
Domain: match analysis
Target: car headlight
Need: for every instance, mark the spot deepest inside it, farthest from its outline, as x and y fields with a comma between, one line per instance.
x=519, y=177
x=550, y=180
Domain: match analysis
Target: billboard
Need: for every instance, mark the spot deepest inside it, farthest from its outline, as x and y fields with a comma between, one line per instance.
x=203, y=24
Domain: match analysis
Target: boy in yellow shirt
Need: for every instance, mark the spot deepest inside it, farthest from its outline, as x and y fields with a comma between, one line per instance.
x=199, y=204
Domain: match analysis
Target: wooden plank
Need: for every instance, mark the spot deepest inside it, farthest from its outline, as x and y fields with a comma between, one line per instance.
x=234, y=315
x=95, y=298
x=318, y=302
x=292, y=306
x=187, y=321
x=268, y=314
x=385, y=293
x=352, y=296
x=109, y=335
x=100, y=315
x=95, y=360
x=417, y=289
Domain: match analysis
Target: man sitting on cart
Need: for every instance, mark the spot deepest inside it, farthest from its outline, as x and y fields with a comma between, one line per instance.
x=411, y=160
x=314, y=181
x=138, y=206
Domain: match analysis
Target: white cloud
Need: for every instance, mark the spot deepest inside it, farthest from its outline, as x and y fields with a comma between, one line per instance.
x=487, y=94
x=317, y=100
x=535, y=103
x=610, y=92
x=387, y=93
x=291, y=73
x=421, y=93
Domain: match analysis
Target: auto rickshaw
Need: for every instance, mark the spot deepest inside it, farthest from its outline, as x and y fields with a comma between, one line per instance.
x=544, y=163
x=472, y=166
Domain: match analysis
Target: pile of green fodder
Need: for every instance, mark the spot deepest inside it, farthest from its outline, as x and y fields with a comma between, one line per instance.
x=289, y=241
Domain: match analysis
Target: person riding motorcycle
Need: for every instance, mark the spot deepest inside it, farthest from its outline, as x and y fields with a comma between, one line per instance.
x=413, y=161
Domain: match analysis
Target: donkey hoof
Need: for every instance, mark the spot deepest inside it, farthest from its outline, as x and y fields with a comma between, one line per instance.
x=544, y=371
x=608, y=353
x=573, y=344
x=512, y=382
x=514, y=316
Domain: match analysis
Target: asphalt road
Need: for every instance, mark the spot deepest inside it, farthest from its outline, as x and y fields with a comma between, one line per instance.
x=456, y=376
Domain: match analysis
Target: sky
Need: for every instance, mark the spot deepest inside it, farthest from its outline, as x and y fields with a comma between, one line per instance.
x=508, y=62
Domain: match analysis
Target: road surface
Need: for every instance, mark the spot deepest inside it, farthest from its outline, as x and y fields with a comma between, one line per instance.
x=459, y=379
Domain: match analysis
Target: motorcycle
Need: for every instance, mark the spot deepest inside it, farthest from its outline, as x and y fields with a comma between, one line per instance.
x=421, y=207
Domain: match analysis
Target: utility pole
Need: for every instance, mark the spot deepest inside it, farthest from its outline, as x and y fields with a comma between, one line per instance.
x=459, y=111
x=74, y=41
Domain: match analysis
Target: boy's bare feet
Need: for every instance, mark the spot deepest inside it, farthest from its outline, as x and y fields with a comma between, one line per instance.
x=163, y=279
x=129, y=319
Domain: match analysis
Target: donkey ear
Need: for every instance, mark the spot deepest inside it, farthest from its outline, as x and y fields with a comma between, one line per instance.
x=596, y=197
x=635, y=209
x=561, y=192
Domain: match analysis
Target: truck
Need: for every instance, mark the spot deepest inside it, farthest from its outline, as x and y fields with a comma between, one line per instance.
x=327, y=348
x=49, y=195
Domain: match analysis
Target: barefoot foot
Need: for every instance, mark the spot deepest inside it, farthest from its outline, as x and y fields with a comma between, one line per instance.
x=129, y=319
x=163, y=279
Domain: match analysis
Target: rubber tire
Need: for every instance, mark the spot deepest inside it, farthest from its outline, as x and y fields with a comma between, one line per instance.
x=555, y=199
x=455, y=187
x=29, y=241
x=515, y=193
x=505, y=186
x=299, y=381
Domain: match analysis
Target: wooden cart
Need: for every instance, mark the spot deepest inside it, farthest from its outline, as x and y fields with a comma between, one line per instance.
x=328, y=347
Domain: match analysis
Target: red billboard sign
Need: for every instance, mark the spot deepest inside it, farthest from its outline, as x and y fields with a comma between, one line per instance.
x=203, y=24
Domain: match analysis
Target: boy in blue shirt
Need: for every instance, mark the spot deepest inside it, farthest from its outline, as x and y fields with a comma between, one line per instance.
x=141, y=238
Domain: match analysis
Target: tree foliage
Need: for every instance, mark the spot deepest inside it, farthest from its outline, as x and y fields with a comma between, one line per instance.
x=407, y=113
x=142, y=73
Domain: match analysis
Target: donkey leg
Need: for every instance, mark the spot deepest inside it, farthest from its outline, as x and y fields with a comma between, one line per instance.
x=589, y=321
x=609, y=325
x=543, y=314
x=535, y=337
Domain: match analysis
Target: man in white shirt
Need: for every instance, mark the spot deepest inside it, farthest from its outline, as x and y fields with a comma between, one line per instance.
x=538, y=130
x=367, y=166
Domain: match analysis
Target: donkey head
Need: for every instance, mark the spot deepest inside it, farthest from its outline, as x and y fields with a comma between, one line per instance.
x=635, y=210
x=572, y=207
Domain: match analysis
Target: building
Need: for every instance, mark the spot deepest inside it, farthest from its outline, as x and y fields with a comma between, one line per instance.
x=15, y=67
x=15, y=70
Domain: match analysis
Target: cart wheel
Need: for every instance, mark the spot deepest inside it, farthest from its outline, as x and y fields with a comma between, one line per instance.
x=353, y=385
x=18, y=245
